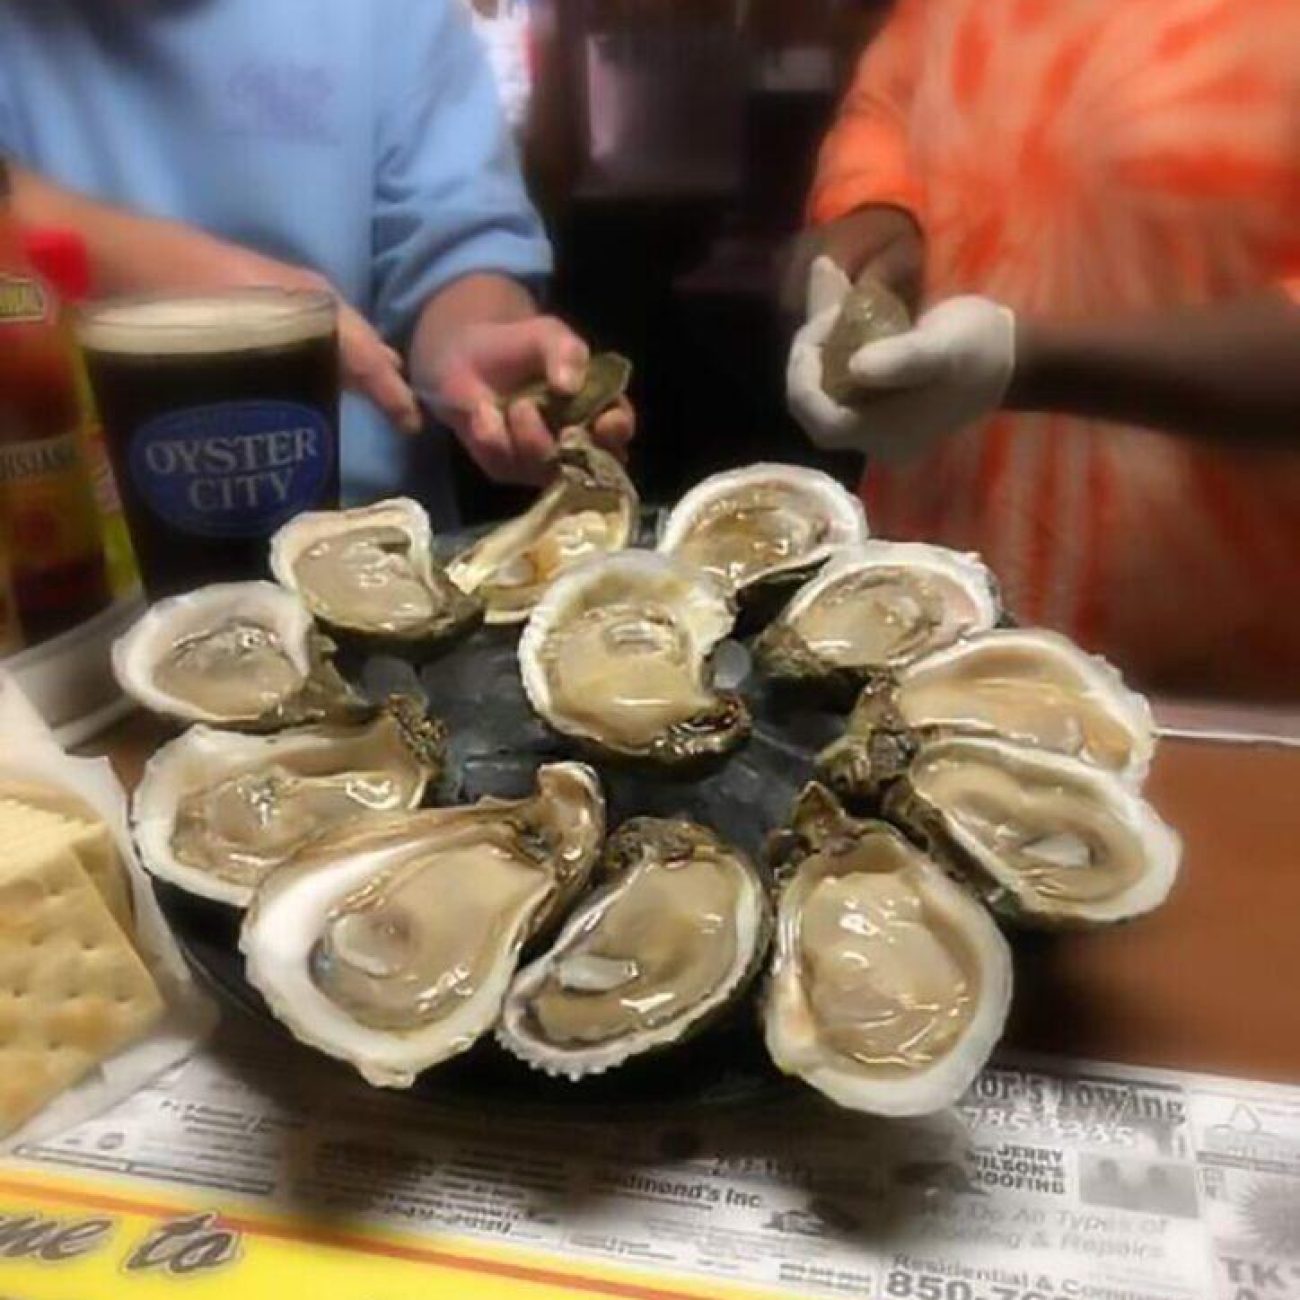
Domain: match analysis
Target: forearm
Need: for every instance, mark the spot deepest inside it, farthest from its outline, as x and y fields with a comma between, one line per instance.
x=1228, y=372
x=131, y=253
x=476, y=299
x=137, y=254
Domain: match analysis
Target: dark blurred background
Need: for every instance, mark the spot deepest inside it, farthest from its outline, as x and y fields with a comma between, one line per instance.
x=670, y=144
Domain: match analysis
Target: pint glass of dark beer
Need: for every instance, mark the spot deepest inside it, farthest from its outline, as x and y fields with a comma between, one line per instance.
x=221, y=418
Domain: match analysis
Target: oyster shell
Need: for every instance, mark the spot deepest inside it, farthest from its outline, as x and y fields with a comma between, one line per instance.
x=616, y=655
x=665, y=946
x=875, y=606
x=889, y=984
x=870, y=312
x=238, y=654
x=216, y=812
x=390, y=943
x=589, y=509
x=1053, y=842
x=1025, y=684
x=606, y=380
x=369, y=574
x=762, y=526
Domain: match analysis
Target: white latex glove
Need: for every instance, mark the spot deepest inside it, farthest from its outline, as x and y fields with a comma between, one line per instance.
x=952, y=369
x=828, y=286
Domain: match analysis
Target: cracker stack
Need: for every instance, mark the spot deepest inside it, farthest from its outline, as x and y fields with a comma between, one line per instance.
x=31, y=814
x=73, y=989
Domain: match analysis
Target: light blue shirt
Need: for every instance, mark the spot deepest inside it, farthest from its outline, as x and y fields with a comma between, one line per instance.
x=363, y=138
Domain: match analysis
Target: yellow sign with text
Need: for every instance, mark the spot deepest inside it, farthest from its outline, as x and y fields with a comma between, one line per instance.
x=63, y=1239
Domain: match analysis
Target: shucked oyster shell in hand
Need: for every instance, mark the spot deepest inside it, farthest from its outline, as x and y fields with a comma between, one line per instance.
x=1052, y=841
x=661, y=950
x=216, y=811
x=1027, y=685
x=370, y=575
x=604, y=383
x=762, y=526
x=589, y=509
x=238, y=654
x=616, y=655
x=874, y=607
x=391, y=942
x=870, y=312
x=890, y=984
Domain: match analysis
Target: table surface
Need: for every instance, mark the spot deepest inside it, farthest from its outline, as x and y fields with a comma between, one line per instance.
x=1210, y=983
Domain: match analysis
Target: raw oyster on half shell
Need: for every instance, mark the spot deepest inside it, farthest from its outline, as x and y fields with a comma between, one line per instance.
x=763, y=525
x=890, y=983
x=589, y=509
x=391, y=942
x=370, y=575
x=237, y=654
x=874, y=607
x=616, y=655
x=216, y=812
x=1027, y=685
x=1052, y=841
x=659, y=952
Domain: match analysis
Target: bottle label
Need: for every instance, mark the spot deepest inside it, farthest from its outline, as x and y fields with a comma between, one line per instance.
x=233, y=469
x=46, y=502
x=32, y=460
x=21, y=301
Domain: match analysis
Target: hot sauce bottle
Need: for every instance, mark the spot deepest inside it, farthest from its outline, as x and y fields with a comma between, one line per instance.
x=49, y=521
x=60, y=258
x=11, y=632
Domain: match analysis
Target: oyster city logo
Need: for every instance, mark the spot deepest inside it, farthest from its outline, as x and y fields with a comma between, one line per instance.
x=233, y=469
x=21, y=300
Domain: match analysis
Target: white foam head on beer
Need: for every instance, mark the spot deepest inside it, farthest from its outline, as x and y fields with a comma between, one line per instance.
x=241, y=321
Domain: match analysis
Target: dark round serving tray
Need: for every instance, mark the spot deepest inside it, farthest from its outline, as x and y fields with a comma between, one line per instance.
x=495, y=745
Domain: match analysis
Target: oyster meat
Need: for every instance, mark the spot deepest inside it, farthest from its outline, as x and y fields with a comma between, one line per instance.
x=216, y=812
x=605, y=381
x=589, y=509
x=1053, y=841
x=616, y=655
x=763, y=525
x=391, y=942
x=1025, y=684
x=370, y=574
x=873, y=607
x=237, y=654
x=890, y=983
x=662, y=949
x=870, y=312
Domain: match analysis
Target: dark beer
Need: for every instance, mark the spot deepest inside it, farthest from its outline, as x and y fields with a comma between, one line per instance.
x=221, y=416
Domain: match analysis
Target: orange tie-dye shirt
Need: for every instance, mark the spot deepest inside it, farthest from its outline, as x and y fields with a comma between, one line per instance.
x=1079, y=159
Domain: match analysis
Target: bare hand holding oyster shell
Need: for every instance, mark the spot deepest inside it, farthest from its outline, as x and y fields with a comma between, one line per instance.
x=508, y=388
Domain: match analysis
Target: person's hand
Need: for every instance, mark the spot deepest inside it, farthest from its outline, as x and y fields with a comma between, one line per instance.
x=369, y=366
x=884, y=241
x=950, y=370
x=489, y=360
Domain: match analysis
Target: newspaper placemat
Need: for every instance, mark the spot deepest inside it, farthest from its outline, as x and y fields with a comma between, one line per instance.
x=254, y=1170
